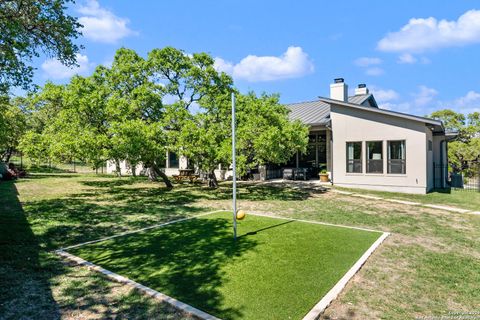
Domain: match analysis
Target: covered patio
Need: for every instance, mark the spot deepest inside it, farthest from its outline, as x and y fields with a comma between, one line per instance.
x=308, y=165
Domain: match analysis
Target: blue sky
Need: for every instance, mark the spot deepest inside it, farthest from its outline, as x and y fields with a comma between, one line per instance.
x=415, y=58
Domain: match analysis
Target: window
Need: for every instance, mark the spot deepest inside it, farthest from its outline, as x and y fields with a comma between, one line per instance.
x=172, y=160
x=354, y=157
x=396, y=157
x=374, y=157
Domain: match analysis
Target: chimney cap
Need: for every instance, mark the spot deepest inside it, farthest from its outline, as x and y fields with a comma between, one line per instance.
x=362, y=85
x=339, y=80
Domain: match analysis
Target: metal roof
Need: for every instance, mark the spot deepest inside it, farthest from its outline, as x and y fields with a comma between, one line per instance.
x=317, y=112
x=310, y=112
x=358, y=99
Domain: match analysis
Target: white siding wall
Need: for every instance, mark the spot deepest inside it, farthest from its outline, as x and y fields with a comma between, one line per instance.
x=126, y=170
x=350, y=124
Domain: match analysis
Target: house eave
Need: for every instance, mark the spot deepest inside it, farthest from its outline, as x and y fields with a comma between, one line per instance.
x=436, y=123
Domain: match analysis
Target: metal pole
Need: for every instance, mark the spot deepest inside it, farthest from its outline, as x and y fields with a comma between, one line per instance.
x=234, y=171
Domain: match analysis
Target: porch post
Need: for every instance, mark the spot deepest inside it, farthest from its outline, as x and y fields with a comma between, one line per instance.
x=328, y=137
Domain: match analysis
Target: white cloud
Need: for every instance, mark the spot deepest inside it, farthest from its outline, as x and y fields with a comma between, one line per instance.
x=407, y=58
x=420, y=35
x=468, y=103
x=54, y=69
x=367, y=61
x=101, y=25
x=224, y=66
x=424, y=96
x=423, y=101
x=293, y=63
x=384, y=95
x=375, y=71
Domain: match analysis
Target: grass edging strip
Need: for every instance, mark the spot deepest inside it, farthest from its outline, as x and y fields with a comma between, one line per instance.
x=137, y=230
x=313, y=314
x=141, y=288
x=313, y=222
x=331, y=295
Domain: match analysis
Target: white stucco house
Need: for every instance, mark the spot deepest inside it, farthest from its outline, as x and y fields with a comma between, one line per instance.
x=364, y=146
x=360, y=145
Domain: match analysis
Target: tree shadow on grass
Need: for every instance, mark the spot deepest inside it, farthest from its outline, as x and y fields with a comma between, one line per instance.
x=29, y=275
x=184, y=260
x=24, y=273
x=113, y=205
x=259, y=192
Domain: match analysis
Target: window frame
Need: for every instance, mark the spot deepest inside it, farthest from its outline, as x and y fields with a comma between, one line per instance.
x=403, y=160
x=347, y=160
x=367, y=160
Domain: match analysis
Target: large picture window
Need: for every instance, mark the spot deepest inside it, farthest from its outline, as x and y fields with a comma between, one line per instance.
x=354, y=157
x=396, y=157
x=374, y=157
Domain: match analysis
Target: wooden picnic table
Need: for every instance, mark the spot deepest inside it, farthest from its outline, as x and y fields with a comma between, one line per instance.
x=185, y=174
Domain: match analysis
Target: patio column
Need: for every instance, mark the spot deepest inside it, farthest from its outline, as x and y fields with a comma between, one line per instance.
x=329, y=150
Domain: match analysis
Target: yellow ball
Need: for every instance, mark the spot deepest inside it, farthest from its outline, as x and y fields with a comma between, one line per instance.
x=241, y=214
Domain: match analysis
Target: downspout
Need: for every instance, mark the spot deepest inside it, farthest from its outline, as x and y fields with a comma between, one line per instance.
x=442, y=143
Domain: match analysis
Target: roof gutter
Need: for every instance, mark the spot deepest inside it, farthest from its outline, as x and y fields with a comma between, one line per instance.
x=385, y=112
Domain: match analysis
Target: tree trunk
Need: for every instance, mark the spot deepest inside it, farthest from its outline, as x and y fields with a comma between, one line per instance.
x=8, y=155
x=118, y=169
x=212, y=179
x=134, y=170
x=155, y=172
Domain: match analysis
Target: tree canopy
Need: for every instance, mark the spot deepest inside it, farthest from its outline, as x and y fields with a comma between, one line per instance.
x=28, y=28
x=467, y=146
x=139, y=109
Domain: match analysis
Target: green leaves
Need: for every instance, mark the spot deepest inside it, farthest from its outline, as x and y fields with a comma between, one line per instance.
x=467, y=146
x=138, y=109
x=29, y=27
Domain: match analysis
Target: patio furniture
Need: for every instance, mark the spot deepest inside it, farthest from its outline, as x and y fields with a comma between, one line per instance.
x=185, y=174
x=288, y=174
x=295, y=174
x=300, y=174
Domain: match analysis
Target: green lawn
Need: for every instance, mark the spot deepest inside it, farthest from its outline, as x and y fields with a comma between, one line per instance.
x=277, y=269
x=428, y=266
x=465, y=199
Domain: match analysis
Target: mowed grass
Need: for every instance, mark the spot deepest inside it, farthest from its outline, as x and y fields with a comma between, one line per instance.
x=277, y=269
x=428, y=266
x=465, y=199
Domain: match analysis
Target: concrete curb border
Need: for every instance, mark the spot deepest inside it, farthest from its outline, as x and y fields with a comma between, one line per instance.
x=141, y=288
x=313, y=222
x=331, y=295
x=313, y=314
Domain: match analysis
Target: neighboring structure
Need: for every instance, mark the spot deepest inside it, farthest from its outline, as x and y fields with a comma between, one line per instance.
x=363, y=146
x=173, y=164
x=359, y=145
